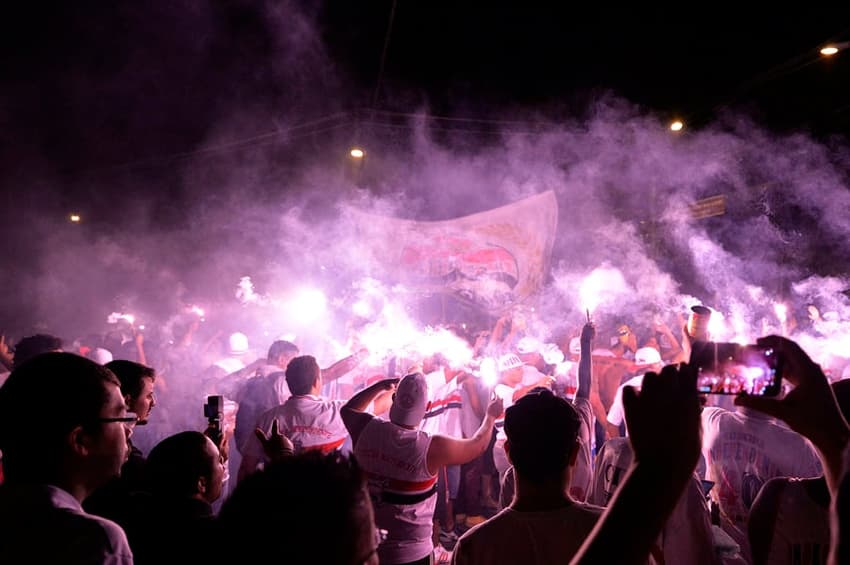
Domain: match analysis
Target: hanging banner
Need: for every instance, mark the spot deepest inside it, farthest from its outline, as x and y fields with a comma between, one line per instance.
x=493, y=259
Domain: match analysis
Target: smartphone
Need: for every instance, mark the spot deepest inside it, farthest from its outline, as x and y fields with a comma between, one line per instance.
x=732, y=368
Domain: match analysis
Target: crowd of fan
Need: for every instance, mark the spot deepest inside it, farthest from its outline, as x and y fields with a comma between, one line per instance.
x=597, y=455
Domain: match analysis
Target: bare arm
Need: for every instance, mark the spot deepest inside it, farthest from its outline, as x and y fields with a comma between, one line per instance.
x=585, y=364
x=453, y=451
x=344, y=366
x=354, y=414
x=667, y=406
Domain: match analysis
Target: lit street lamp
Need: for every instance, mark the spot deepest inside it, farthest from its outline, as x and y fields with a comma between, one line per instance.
x=833, y=48
x=677, y=125
x=75, y=218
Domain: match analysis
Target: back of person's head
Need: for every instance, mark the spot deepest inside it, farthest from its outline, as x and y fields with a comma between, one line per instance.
x=130, y=374
x=42, y=401
x=541, y=431
x=410, y=401
x=301, y=373
x=315, y=507
x=281, y=347
x=33, y=345
x=184, y=465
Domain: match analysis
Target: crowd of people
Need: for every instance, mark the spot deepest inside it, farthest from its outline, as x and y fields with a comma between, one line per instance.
x=583, y=450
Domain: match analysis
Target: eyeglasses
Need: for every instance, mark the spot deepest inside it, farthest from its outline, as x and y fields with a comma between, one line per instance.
x=129, y=420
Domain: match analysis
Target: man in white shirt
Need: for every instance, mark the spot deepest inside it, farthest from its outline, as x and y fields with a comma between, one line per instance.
x=401, y=462
x=742, y=450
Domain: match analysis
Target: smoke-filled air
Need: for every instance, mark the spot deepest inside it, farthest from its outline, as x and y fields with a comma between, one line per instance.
x=260, y=221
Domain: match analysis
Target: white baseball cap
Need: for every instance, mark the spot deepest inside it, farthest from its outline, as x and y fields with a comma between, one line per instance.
x=647, y=356
x=508, y=362
x=410, y=400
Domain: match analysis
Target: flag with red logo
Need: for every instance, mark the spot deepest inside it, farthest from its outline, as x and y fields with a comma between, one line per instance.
x=493, y=259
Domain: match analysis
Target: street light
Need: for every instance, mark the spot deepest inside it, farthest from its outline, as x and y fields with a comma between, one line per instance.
x=833, y=48
x=677, y=125
x=75, y=218
x=357, y=153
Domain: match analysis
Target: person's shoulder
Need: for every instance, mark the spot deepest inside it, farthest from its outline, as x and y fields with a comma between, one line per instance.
x=492, y=527
x=102, y=534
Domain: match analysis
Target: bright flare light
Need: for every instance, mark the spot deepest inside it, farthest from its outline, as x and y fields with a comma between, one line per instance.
x=781, y=312
x=75, y=218
x=357, y=153
x=716, y=324
x=361, y=308
x=829, y=50
x=488, y=372
x=115, y=317
x=601, y=284
x=677, y=125
x=308, y=305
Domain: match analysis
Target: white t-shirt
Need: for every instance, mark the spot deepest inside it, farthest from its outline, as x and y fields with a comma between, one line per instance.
x=801, y=525
x=444, y=414
x=742, y=450
x=312, y=423
x=394, y=460
x=528, y=538
x=616, y=415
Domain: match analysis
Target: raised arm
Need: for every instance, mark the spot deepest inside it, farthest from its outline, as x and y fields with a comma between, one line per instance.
x=354, y=414
x=344, y=366
x=454, y=451
x=585, y=364
x=667, y=406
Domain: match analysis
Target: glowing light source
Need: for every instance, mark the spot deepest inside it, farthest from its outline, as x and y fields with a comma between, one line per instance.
x=677, y=125
x=115, y=317
x=489, y=372
x=781, y=311
x=361, y=308
x=833, y=48
x=357, y=153
x=75, y=218
x=308, y=305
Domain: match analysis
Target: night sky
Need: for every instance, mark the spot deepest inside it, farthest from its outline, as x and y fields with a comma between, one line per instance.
x=88, y=86
x=149, y=119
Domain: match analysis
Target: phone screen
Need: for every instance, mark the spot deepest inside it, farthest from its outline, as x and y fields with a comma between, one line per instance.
x=731, y=368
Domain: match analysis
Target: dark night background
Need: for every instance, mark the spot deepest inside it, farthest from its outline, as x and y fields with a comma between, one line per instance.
x=132, y=113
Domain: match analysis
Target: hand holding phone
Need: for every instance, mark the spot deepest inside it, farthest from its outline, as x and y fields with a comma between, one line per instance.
x=732, y=368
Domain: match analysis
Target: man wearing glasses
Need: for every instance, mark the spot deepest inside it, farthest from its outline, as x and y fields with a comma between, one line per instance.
x=137, y=387
x=64, y=428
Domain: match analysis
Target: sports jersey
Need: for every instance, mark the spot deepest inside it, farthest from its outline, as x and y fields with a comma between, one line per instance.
x=444, y=412
x=403, y=491
x=742, y=450
x=312, y=423
x=800, y=529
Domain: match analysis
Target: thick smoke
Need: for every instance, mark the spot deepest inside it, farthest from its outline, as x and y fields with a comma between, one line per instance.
x=260, y=194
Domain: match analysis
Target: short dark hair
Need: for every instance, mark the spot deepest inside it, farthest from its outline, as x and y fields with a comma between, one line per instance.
x=175, y=464
x=281, y=347
x=541, y=430
x=34, y=425
x=33, y=345
x=131, y=374
x=301, y=373
x=287, y=500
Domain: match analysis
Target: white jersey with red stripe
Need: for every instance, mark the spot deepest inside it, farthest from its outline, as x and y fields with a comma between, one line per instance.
x=444, y=413
x=395, y=462
x=312, y=423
